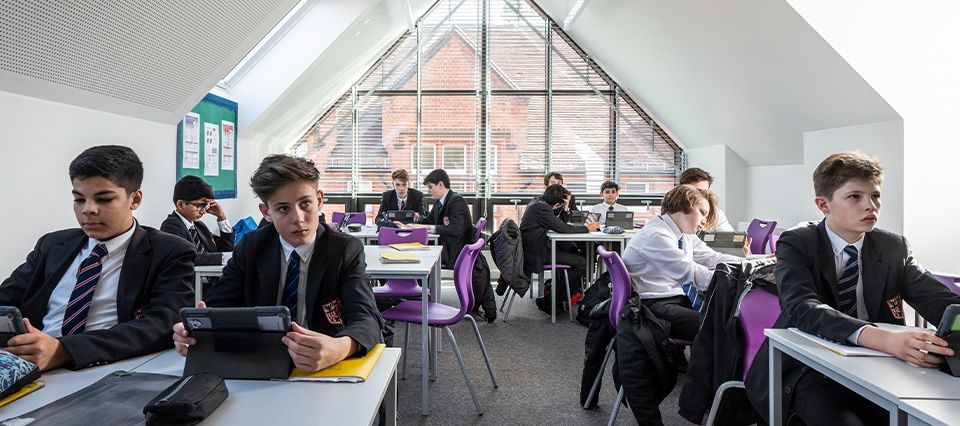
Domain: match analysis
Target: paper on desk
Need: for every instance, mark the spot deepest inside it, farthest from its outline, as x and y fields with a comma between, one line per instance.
x=838, y=348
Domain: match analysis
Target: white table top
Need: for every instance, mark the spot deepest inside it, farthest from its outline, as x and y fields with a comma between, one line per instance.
x=937, y=412
x=886, y=376
x=370, y=232
x=590, y=236
x=377, y=269
x=274, y=402
x=208, y=268
x=62, y=382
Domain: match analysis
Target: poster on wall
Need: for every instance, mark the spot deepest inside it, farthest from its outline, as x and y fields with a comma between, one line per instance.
x=211, y=149
x=227, y=129
x=191, y=141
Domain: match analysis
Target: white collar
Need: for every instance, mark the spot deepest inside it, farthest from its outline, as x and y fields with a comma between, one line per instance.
x=186, y=222
x=303, y=250
x=114, y=244
x=839, y=243
x=673, y=226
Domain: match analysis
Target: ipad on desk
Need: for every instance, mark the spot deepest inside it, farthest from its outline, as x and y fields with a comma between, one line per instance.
x=238, y=343
x=725, y=242
x=623, y=219
x=402, y=216
x=577, y=217
x=949, y=330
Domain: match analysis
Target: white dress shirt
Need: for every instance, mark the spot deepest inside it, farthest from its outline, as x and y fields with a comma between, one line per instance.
x=305, y=251
x=840, y=258
x=658, y=266
x=224, y=225
x=723, y=225
x=603, y=208
x=103, y=309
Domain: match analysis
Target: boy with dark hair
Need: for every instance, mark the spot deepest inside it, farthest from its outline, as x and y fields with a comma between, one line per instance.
x=610, y=192
x=109, y=290
x=449, y=218
x=297, y=262
x=569, y=204
x=401, y=197
x=836, y=279
x=192, y=198
x=701, y=179
x=538, y=219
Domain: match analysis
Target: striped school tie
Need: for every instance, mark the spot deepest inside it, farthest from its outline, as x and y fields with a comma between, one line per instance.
x=847, y=283
x=196, y=239
x=292, y=284
x=75, y=316
x=403, y=204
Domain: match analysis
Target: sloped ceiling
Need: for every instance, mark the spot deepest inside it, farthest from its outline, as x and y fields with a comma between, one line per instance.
x=147, y=59
x=751, y=74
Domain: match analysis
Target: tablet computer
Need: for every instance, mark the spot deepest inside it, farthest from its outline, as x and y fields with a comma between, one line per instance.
x=577, y=217
x=402, y=216
x=949, y=330
x=11, y=324
x=259, y=318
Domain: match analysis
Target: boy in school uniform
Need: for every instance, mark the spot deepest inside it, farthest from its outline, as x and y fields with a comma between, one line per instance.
x=610, y=191
x=569, y=204
x=701, y=179
x=449, y=218
x=401, y=197
x=836, y=279
x=192, y=198
x=109, y=290
x=297, y=262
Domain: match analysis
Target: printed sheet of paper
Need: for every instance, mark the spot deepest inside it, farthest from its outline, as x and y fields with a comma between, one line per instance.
x=211, y=150
x=191, y=141
x=228, y=130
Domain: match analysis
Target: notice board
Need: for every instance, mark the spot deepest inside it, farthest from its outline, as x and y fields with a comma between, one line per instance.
x=207, y=145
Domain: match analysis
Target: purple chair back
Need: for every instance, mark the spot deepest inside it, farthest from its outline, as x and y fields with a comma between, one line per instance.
x=760, y=231
x=759, y=309
x=773, y=242
x=387, y=236
x=619, y=281
x=950, y=280
x=463, y=277
x=355, y=218
x=478, y=228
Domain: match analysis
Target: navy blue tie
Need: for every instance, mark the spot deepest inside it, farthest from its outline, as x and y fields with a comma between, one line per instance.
x=196, y=239
x=292, y=284
x=75, y=316
x=847, y=283
x=680, y=243
x=403, y=204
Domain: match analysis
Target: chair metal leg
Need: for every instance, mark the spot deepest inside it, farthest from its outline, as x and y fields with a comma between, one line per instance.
x=566, y=276
x=483, y=348
x=463, y=369
x=503, y=303
x=509, y=305
x=715, y=406
x=616, y=408
x=603, y=368
x=406, y=347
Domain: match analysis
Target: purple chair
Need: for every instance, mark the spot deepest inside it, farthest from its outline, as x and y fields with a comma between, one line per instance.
x=620, y=284
x=952, y=282
x=760, y=231
x=443, y=316
x=759, y=309
x=407, y=288
x=773, y=242
x=358, y=218
x=478, y=228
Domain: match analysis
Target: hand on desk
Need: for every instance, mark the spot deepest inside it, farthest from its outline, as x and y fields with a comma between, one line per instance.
x=592, y=225
x=39, y=348
x=312, y=351
x=181, y=337
x=920, y=348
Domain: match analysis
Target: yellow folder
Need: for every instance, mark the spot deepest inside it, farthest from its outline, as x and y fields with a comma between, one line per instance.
x=408, y=246
x=350, y=370
x=398, y=257
x=30, y=387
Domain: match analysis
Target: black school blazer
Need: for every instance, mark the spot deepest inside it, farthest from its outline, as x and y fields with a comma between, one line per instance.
x=156, y=280
x=454, y=227
x=214, y=245
x=339, y=300
x=807, y=280
x=388, y=201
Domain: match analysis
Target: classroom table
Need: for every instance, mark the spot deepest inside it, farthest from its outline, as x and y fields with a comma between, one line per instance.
x=368, y=234
x=933, y=412
x=203, y=271
x=276, y=402
x=428, y=270
x=886, y=381
x=62, y=382
x=591, y=238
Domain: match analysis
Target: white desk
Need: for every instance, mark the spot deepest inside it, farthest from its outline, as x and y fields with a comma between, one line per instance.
x=934, y=412
x=368, y=234
x=886, y=381
x=427, y=270
x=203, y=271
x=271, y=402
x=591, y=237
x=62, y=382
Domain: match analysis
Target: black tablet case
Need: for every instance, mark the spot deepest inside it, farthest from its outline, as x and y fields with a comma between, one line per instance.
x=237, y=349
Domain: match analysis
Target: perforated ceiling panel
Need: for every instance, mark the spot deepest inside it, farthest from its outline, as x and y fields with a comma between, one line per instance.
x=152, y=59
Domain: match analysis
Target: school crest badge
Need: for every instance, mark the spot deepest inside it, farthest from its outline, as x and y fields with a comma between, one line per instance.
x=332, y=311
x=895, y=305
x=446, y=220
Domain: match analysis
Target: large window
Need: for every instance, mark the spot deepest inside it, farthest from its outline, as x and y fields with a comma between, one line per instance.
x=495, y=93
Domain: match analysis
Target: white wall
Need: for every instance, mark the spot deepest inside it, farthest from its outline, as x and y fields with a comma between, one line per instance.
x=785, y=193
x=907, y=52
x=729, y=173
x=42, y=137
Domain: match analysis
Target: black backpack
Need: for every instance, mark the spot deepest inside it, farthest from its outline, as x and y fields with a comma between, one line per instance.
x=596, y=293
x=654, y=344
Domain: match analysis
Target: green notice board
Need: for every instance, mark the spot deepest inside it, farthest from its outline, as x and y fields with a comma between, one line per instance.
x=207, y=145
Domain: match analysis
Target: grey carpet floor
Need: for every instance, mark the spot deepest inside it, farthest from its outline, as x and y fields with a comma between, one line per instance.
x=537, y=364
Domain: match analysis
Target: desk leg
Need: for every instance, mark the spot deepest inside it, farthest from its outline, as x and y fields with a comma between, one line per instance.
x=589, y=255
x=435, y=333
x=553, y=276
x=424, y=355
x=776, y=385
x=390, y=400
x=197, y=288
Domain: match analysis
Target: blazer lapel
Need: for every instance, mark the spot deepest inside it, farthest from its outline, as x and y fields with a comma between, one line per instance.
x=268, y=271
x=58, y=260
x=828, y=266
x=874, y=274
x=318, y=266
x=133, y=274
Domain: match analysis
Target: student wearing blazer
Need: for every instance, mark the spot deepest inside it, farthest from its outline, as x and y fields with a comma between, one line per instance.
x=192, y=198
x=877, y=274
x=401, y=197
x=132, y=279
x=294, y=261
x=449, y=218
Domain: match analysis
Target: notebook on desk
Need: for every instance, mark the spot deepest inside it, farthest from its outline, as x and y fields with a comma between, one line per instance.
x=350, y=370
x=387, y=257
